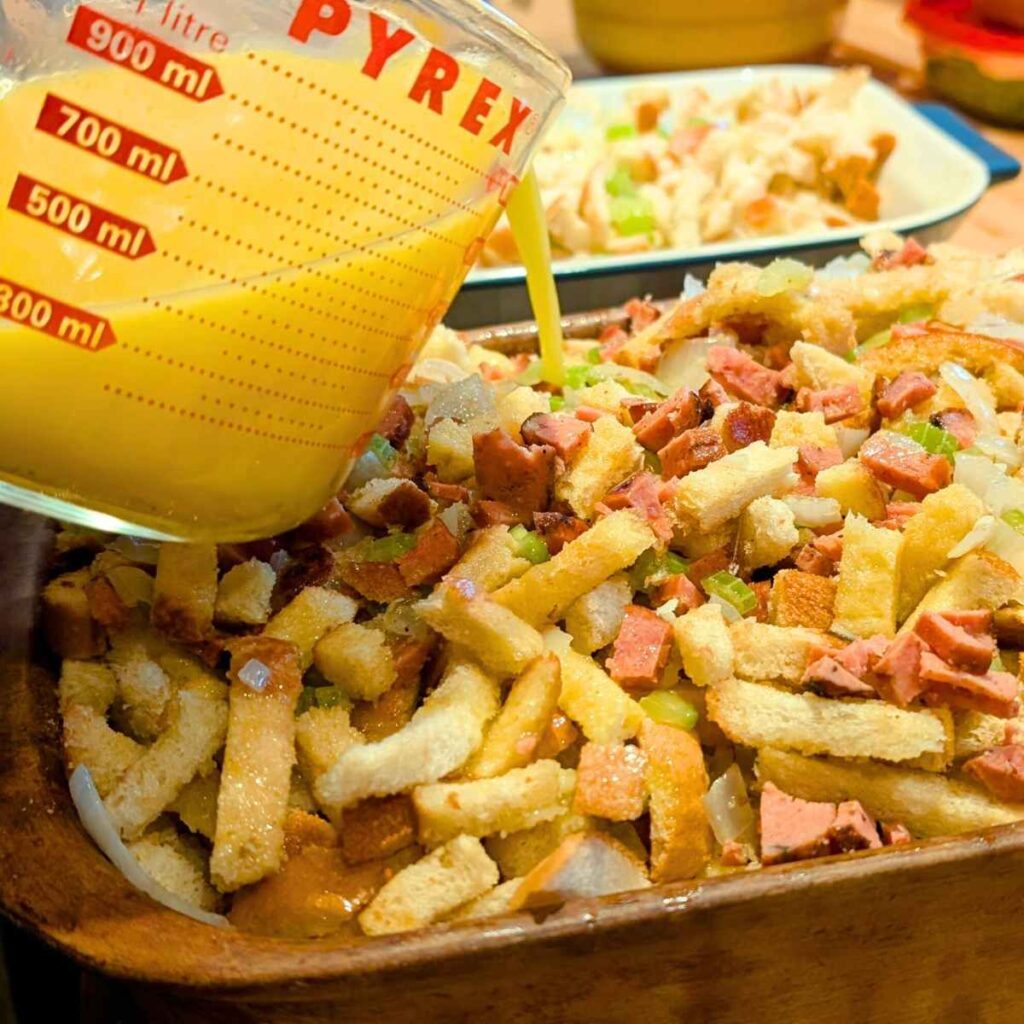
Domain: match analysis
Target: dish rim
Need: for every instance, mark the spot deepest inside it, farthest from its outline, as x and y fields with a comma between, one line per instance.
x=583, y=267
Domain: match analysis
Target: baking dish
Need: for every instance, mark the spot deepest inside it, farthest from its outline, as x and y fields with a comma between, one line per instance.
x=940, y=168
x=922, y=930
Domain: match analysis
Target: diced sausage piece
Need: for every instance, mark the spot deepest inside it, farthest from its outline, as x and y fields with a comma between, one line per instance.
x=641, y=649
x=330, y=522
x=668, y=420
x=746, y=424
x=958, y=422
x=105, y=606
x=897, y=513
x=833, y=403
x=734, y=854
x=853, y=829
x=496, y=513
x=691, y=450
x=376, y=581
x=813, y=458
x=558, y=528
x=977, y=621
x=898, y=671
x=638, y=408
x=793, y=829
x=711, y=395
x=566, y=434
x=810, y=559
x=901, y=463
x=396, y=423
x=610, y=781
x=834, y=680
x=910, y=255
x=707, y=565
x=954, y=644
x=641, y=313
x=512, y=473
x=404, y=505
x=436, y=551
x=894, y=834
x=993, y=693
x=643, y=493
x=762, y=591
x=588, y=413
x=560, y=735
x=680, y=589
x=830, y=546
x=909, y=388
x=1001, y=771
x=861, y=656
x=741, y=376
x=441, y=491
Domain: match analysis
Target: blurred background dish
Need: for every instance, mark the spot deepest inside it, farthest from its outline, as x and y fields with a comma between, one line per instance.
x=974, y=54
x=668, y=35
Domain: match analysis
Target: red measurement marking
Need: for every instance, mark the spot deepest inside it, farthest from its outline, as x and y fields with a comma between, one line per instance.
x=146, y=55
x=109, y=140
x=80, y=218
x=503, y=182
x=42, y=313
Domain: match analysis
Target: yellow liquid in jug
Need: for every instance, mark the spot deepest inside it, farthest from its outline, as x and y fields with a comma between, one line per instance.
x=324, y=224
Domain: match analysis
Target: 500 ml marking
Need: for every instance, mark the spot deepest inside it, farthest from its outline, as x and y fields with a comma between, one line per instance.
x=85, y=129
x=30, y=308
x=75, y=216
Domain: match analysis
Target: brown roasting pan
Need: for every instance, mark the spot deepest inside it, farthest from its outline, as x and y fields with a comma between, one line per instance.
x=924, y=934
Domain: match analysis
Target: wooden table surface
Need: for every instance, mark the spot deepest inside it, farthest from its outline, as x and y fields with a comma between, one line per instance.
x=873, y=32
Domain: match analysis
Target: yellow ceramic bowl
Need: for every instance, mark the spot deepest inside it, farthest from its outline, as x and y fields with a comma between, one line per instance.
x=664, y=35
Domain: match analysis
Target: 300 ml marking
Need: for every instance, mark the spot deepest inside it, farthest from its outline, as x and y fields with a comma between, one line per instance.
x=109, y=140
x=77, y=327
x=74, y=216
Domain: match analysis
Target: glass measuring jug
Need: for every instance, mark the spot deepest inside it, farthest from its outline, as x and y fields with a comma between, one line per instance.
x=226, y=229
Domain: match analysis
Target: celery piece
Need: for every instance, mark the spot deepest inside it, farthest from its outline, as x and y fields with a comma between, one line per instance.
x=933, y=439
x=387, y=549
x=668, y=708
x=529, y=545
x=620, y=183
x=614, y=132
x=731, y=589
x=875, y=341
x=784, y=275
x=594, y=355
x=383, y=449
x=331, y=697
x=916, y=313
x=557, y=403
x=652, y=569
x=632, y=215
x=579, y=376
x=1014, y=517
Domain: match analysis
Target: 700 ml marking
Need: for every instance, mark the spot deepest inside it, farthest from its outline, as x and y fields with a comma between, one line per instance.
x=109, y=140
x=30, y=308
x=74, y=216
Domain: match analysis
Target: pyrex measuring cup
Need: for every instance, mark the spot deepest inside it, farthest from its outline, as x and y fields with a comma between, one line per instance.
x=227, y=226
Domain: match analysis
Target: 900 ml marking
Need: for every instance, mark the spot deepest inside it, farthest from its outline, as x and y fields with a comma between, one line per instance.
x=146, y=55
x=77, y=327
x=75, y=216
x=87, y=130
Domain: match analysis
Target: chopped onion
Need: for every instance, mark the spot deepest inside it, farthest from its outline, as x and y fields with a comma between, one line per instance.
x=994, y=326
x=976, y=472
x=842, y=632
x=729, y=612
x=850, y=439
x=278, y=560
x=612, y=371
x=728, y=808
x=1005, y=492
x=684, y=364
x=557, y=640
x=843, y=267
x=692, y=287
x=814, y=512
x=464, y=400
x=255, y=675
x=142, y=552
x=133, y=585
x=436, y=371
x=667, y=611
x=366, y=468
x=1008, y=544
x=975, y=537
x=999, y=449
x=974, y=396
x=97, y=822
x=458, y=520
